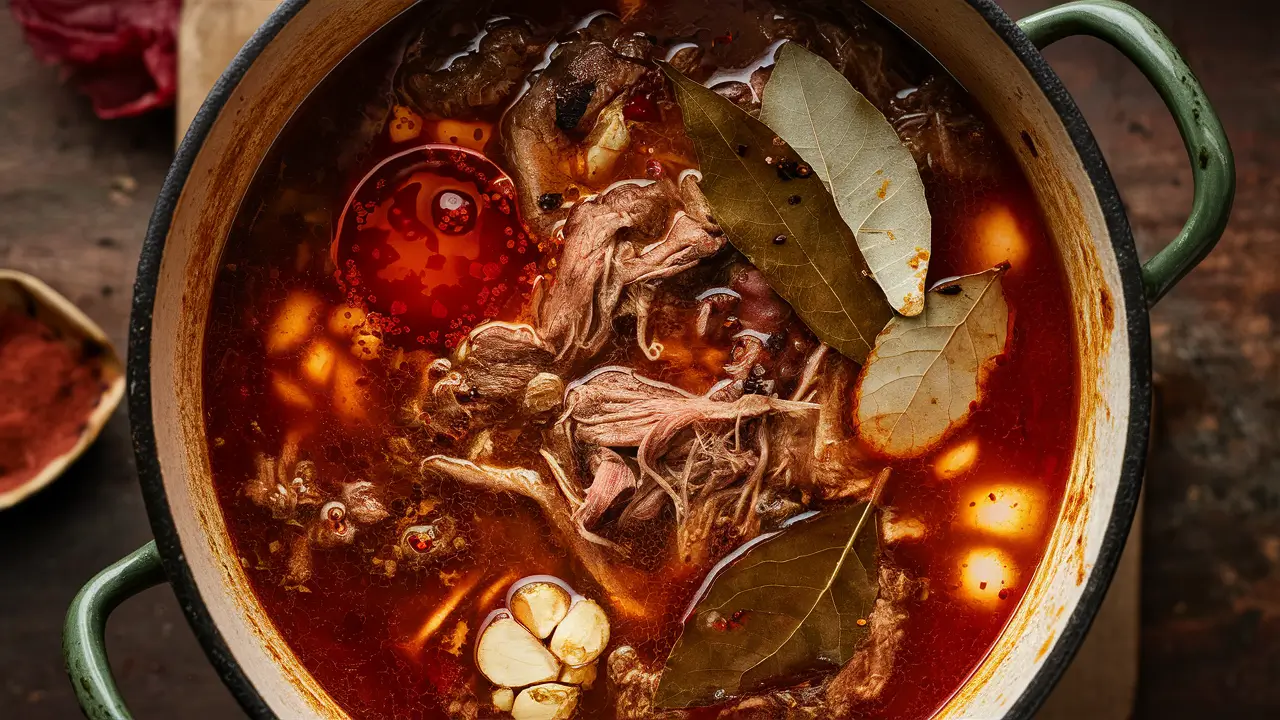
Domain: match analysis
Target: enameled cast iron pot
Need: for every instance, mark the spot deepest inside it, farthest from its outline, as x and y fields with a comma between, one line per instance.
x=994, y=57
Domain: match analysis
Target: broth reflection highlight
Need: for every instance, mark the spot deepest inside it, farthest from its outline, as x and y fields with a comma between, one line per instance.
x=479, y=374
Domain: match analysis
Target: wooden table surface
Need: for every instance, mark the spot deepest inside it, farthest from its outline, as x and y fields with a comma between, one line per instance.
x=75, y=195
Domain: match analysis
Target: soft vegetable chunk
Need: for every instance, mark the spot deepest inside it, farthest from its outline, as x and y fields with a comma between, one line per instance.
x=292, y=323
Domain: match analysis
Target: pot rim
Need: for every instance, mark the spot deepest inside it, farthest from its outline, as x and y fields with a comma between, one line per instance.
x=1086, y=147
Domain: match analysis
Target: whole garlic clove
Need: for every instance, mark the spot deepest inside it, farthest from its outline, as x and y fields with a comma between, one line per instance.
x=510, y=656
x=582, y=635
x=550, y=701
x=544, y=392
x=540, y=606
x=584, y=676
x=503, y=699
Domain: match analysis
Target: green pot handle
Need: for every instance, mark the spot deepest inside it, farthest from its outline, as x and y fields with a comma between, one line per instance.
x=1212, y=165
x=83, y=644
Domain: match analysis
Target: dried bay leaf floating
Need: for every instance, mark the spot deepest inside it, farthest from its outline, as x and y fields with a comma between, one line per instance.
x=929, y=372
x=858, y=155
x=788, y=227
x=785, y=604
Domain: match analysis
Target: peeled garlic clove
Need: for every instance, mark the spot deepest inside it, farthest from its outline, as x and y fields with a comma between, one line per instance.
x=503, y=699
x=540, y=606
x=546, y=702
x=582, y=635
x=508, y=655
x=584, y=676
x=543, y=392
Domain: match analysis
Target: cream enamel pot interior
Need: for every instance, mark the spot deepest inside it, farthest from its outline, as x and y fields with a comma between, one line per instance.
x=996, y=59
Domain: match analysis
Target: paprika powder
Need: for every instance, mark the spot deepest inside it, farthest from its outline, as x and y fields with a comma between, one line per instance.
x=48, y=388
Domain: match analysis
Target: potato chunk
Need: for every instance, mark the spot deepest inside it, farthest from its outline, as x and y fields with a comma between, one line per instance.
x=293, y=323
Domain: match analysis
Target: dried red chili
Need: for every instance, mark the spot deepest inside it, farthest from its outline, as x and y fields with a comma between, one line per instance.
x=47, y=390
x=121, y=53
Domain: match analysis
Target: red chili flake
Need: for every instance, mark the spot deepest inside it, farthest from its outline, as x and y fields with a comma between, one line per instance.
x=982, y=586
x=419, y=543
x=1004, y=594
x=653, y=169
x=640, y=107
x=724, y=39
x=991, y=496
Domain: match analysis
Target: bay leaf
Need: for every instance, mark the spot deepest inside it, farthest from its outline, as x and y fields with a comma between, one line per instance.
x=928, y=372
x=860, y=158
x=784, y=605
x=788, y=226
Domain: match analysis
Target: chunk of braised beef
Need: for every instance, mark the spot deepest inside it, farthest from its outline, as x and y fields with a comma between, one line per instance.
x=542, y=132
x=941, y=132
x=474, y=82
x=639, y=46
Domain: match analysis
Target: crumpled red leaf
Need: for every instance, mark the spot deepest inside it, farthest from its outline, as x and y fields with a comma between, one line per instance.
x=121, y=53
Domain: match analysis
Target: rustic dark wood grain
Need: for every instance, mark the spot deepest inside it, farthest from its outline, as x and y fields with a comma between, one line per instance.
x=1211, y=566
x=75, y=194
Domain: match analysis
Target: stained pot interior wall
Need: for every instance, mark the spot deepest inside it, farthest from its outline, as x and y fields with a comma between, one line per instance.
x=964, y=42
x=325, y=30
x=307, y=47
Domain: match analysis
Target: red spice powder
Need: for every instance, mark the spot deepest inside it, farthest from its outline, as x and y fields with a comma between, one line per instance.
x=47, y=390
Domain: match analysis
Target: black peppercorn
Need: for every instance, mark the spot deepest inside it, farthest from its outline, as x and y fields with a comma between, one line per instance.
x=793, y=200
x=742, y=150
x=780, y=239
x=550, y=201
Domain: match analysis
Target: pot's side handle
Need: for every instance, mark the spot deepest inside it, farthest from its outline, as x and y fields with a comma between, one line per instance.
x=83, y=644
x=1212, y=164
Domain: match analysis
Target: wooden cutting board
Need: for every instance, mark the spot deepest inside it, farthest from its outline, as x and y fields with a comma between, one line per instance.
x=1102, y=681
x=210, y=35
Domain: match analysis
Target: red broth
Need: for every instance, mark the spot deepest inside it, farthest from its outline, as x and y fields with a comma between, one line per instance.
x=389, y=643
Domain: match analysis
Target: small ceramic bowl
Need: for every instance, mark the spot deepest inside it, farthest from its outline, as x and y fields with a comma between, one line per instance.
x=26, y=294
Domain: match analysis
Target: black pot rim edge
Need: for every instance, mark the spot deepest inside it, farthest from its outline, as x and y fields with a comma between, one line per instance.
x=1136, y=321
